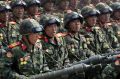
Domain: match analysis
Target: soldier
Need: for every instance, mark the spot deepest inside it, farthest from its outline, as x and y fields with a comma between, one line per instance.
x=94, y=35
x=85, y=3
x=106, y=25
x=94, y=2
x=48, y=7
x=54, y=46
x=63, y=8
x=24, y=58
x=4, y=22
x=18, y=9
x=33, y=9
x=76, y=42
x=116, y=18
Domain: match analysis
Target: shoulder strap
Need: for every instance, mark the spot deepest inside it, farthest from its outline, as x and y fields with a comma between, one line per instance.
x=14, y=45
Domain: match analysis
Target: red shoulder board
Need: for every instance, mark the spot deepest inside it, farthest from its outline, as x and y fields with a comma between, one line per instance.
x=61, y=34
x=12, y=22
x=14, y=44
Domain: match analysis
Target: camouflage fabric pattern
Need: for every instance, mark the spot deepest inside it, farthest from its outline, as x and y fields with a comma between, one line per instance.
x=77, y=47
x=55, y=53
x=26, y=62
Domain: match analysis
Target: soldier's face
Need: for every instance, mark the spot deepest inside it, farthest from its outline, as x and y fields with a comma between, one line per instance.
x=49, y=6
x=18, y=11
x=34, y=9
x=104, y=18
x=51, y=30
x=33, y=37
x=64, y=5
x=91, y=21
x=4, y=16
x=74, y=26
x=117, y=14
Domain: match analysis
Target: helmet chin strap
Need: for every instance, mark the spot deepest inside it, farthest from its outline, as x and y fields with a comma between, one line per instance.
x=26, y=39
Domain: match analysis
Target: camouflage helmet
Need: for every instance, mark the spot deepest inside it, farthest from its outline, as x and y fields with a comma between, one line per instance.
x=33, y=2
x=115, y=6
x=103, y=8
x=88, y=11
x=4, y=6
x=70, y=17
x=48, y=20
x=15, y=3
x=30, y=26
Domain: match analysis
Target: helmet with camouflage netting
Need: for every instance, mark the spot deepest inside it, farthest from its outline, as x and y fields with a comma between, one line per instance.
x=4, y=6
x=89, y=11
x=49, y=20
x=72, y=16
x=28, y=26
x=115, y=6
x=15, y=3
x=103, y=8
x=32, y=2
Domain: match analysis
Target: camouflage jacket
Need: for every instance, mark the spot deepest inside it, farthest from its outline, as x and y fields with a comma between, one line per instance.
x=96, y=39
x=77, y=47
x=23, y=59
x=110, y=35
x=116, y=29
x=55, y=52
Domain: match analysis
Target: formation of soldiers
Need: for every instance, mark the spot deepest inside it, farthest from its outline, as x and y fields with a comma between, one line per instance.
x=42, y=36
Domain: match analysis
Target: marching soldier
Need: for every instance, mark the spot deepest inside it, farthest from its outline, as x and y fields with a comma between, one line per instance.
x=4, y=22
x=33, y=9
x=106, y=25
x=48, y=7
x=116, y=18
x=18, y=9
x=54, y=46
x=24, y=58
x=95, y=37
x=76, y=42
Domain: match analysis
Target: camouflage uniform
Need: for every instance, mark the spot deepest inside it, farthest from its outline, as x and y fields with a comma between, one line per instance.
x=4, y=22
x=24, y=59
x=61, y=12
x=95, y=37
x=116, y=18
x=15, y=21
x=54, y=49
x=76, y=44
x=107, y=27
